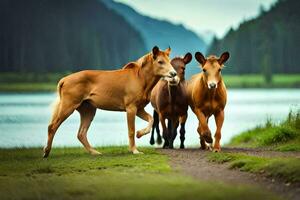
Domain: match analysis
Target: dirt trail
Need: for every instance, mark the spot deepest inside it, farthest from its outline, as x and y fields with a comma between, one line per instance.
x=193, y=162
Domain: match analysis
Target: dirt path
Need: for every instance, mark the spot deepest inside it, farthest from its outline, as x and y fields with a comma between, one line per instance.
x=193, y=162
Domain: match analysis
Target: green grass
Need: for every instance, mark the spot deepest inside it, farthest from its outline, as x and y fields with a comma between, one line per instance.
x=283, y=137
x=70, y=173
x=258, y=81
x=287, y=169
x=46, y=82
x=27, y=87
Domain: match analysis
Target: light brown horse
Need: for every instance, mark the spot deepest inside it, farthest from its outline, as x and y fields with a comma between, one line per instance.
x=207, y=96
x=127, y=89
x=169, y=100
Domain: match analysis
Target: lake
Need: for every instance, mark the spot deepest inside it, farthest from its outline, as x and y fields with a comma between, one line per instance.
x=24, y=119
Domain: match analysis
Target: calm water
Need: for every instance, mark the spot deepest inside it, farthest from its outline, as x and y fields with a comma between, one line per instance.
x=24, y=119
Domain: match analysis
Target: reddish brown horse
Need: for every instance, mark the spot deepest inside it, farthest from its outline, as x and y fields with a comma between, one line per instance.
x=207, y=96
x=169, y=100
x=127, y=89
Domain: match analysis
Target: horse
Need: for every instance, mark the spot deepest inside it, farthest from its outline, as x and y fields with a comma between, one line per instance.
x=169, y=100
x=207, y=96
x=127, y=89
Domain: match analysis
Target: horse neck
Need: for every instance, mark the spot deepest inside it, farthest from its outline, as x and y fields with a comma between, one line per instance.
x=149, y=79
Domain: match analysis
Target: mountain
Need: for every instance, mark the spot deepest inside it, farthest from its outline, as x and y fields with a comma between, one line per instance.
x=207, y=36
x=63, y=35
x=269, y=43
x=161, y=33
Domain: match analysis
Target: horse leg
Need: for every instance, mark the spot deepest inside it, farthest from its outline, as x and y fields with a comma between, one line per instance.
x=155, y=121
x=62, y=111
x=87, y=113
x=165, y=131
x=158, y=140
x=174, y=127
x=131, y=113
x=219, y=118
x=170, y=133
x=182, y=130
x=145, y=116
x=203, y=130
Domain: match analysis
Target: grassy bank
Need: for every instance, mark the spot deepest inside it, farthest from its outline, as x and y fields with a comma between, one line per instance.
x=31, y=82
x=284, y=136
x=286, y=169
x=70, y=173
x=258, y=81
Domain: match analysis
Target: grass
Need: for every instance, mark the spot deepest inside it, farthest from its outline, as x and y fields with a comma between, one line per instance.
x=283, y=137
x=70, y=173
x=258, y=81
x=46, y=82
x=29, y=82
x=287, y=169
x=27, y=87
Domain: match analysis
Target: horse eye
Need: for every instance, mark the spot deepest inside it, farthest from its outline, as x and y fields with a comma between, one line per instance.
x=219, y=70
x=204, y=70
x=160, y=62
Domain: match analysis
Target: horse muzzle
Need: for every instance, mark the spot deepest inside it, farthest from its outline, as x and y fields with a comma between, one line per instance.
x=172, y=81
x=212, y=85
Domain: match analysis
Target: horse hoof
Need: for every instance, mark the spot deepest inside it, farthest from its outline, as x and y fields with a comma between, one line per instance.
x=217, y=150
x=45, y=155
x=207, y=137
x=46, y=152
x=95, y=152
x=139, y=134
x=137, y=152
x=152, y=141
x=181, y=146
x=159, y=141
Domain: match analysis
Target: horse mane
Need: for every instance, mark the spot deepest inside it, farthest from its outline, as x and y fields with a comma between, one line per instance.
x=130, y=65
x=178, y=58
x=212, y=58
x=138, y=63
x=144, y=60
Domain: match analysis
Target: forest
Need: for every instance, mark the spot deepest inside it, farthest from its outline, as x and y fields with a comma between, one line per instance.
x=268, y=44
x=59, y=36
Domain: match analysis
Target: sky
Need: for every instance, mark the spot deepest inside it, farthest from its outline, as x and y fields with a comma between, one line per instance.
x=200, y=16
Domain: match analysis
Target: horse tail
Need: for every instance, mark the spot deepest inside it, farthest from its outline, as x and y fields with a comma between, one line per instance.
x=55, y=104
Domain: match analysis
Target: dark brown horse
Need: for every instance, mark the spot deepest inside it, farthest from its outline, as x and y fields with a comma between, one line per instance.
x=207, y=97
x=169, y=100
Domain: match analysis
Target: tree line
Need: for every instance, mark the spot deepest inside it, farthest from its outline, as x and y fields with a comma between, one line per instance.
x=267, y=44
x=63, y=35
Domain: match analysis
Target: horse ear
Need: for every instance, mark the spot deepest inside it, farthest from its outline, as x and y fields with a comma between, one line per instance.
x=168, y=51
x=187, y=58
x=200, y=58
x=155, y=51
x=223, y=58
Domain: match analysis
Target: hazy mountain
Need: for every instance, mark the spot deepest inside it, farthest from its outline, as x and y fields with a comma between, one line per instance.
x=161, y=33
x=269, y=44
x=207, y=36
x=61, y=35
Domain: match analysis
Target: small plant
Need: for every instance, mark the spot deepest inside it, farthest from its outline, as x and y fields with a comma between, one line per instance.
x=269, y=122
x=273, y=135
